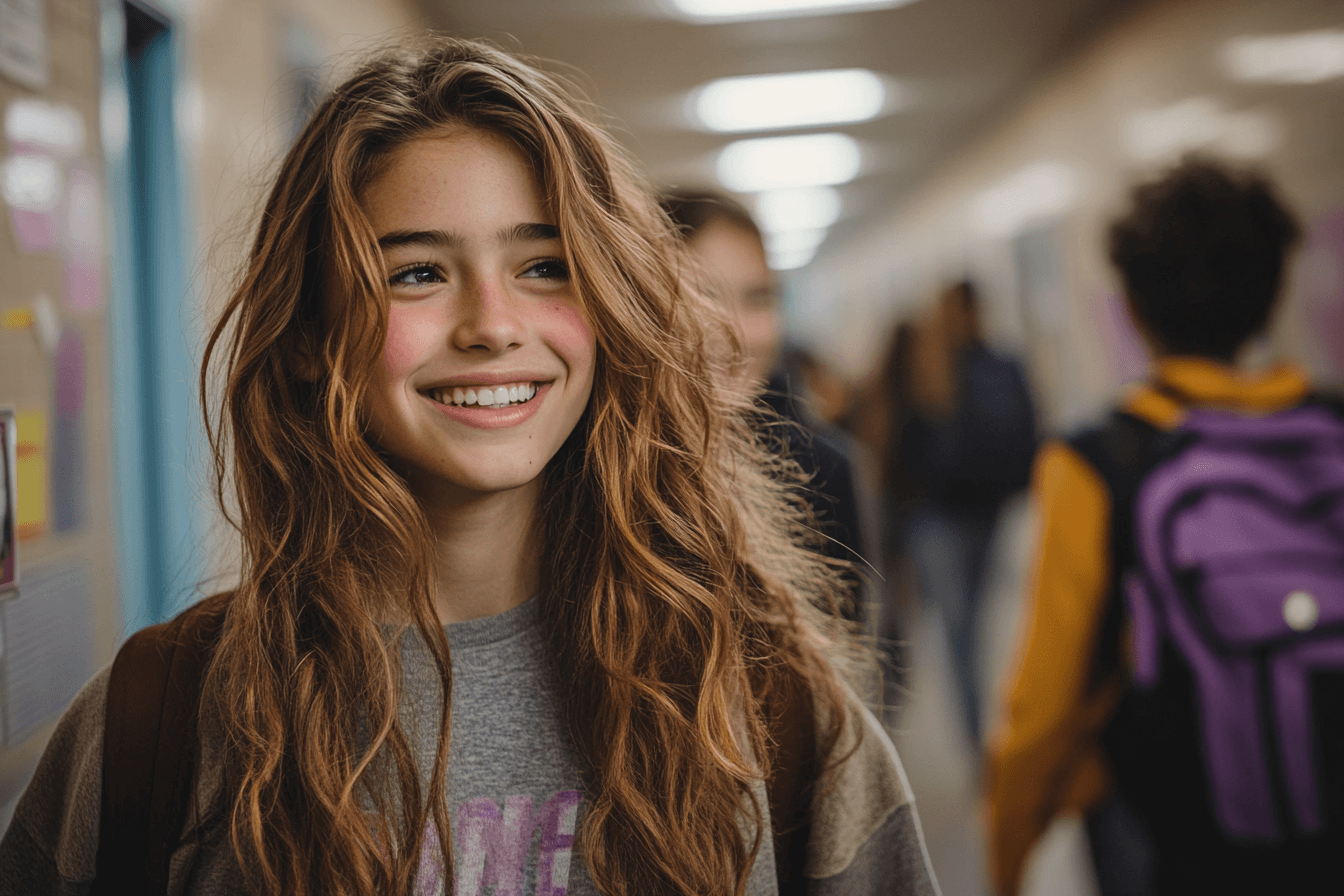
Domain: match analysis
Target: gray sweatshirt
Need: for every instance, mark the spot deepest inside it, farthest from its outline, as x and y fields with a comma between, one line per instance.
x=514, y=795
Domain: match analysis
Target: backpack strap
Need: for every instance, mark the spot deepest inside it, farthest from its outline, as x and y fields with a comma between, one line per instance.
x=793, y=728
x=149, y=748
x=1122, y=450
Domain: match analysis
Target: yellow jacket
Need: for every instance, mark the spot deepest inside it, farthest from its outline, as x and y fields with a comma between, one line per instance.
x=1046, y=759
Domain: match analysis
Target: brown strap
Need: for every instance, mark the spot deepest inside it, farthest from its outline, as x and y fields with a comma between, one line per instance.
x=149, y=748
x=794, y=729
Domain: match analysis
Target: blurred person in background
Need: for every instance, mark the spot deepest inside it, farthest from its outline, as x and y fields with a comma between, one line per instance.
x=876, y=415
x=1180, y=675
x=725, y=239
x=958, y=439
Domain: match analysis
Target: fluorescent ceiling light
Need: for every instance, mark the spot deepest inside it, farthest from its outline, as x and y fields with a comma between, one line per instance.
x=768, y=163
x=786, y=241
x=1037, y=191
x=797, y=208
x=724, y=10
x=791, y=260
x=793, y=100
x=1308, y=57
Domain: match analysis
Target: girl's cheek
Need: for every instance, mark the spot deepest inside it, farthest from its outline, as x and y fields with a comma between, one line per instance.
x=571, y=335
x=406, y=339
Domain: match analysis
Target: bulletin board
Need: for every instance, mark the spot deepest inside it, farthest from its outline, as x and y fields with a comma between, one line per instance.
x=60, y=615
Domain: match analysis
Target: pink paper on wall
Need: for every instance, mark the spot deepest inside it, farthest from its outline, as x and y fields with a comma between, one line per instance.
x=83, y=241
x=83, y=286
x=70, y=366
x=35, y=231
x=32, y=189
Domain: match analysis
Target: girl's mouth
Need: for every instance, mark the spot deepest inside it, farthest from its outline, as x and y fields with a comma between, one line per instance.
x=501, y=396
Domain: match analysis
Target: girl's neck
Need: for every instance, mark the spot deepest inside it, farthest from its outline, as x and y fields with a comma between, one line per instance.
x=487, y=557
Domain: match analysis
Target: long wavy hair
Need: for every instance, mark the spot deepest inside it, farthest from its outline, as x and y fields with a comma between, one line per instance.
x=680, y=596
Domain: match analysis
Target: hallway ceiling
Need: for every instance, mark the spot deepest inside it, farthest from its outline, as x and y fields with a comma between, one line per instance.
x=956, y=64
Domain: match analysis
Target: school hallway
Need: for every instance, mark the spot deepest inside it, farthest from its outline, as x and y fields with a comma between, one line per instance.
x=929, y=736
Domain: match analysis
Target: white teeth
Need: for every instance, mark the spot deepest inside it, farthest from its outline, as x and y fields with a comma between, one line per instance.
x=497, y=396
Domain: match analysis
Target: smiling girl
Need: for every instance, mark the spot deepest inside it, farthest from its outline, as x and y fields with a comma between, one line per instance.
x=524, y=607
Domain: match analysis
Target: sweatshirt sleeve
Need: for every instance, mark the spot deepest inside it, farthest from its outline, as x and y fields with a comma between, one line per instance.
x=51, y=845
x=1045, y=758
x=865, y=838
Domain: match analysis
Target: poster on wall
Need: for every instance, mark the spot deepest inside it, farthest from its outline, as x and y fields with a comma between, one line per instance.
x=30, y=474
x=9, y=561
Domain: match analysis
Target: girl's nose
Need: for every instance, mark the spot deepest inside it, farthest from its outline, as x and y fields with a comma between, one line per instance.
x=489, y=317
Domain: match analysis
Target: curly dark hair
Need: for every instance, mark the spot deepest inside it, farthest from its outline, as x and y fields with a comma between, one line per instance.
x=1202, y=253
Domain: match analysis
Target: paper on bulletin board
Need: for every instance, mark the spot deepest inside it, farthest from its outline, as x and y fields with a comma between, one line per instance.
x=9, y=560
x=32, y=190
x=30, y=453
x=83, y=244
x=45, y=141
x=25, y=54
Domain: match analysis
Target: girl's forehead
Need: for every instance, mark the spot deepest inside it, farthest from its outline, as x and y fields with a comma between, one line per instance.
x=454, y=159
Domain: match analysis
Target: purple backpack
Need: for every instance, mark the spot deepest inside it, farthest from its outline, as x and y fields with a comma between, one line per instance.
x=1239, y=543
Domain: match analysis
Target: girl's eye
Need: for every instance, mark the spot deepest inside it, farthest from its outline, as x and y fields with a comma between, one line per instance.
x=548, y=269
x=416, y=275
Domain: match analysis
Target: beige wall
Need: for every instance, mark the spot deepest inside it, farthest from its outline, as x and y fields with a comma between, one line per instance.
x=1082, y=118
x=237, y=105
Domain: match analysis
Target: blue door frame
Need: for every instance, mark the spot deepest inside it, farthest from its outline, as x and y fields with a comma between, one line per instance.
x=157, y=419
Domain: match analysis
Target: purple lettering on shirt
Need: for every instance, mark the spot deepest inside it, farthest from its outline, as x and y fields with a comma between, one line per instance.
x=429, y=875
x=493, y=846
x=557, y=821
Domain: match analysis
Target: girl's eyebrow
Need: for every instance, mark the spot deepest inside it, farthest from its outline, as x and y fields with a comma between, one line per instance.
x=518, y=233
x=529, y=233
x=420, y=238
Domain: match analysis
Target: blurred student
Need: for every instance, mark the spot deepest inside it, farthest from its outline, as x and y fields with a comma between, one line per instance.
x=876, y=415
x=1179, y=678
x=967, y=434
x=727, y=242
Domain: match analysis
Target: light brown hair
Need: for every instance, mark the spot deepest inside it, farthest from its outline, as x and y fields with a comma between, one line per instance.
x=680, y=598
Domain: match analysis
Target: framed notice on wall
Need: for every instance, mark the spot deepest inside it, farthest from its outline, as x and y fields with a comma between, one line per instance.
x=9, y=562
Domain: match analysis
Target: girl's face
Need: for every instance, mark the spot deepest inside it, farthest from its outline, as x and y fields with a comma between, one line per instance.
x=489, y=358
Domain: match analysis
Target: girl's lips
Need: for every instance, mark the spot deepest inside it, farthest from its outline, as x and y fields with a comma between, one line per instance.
x=493, y=417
